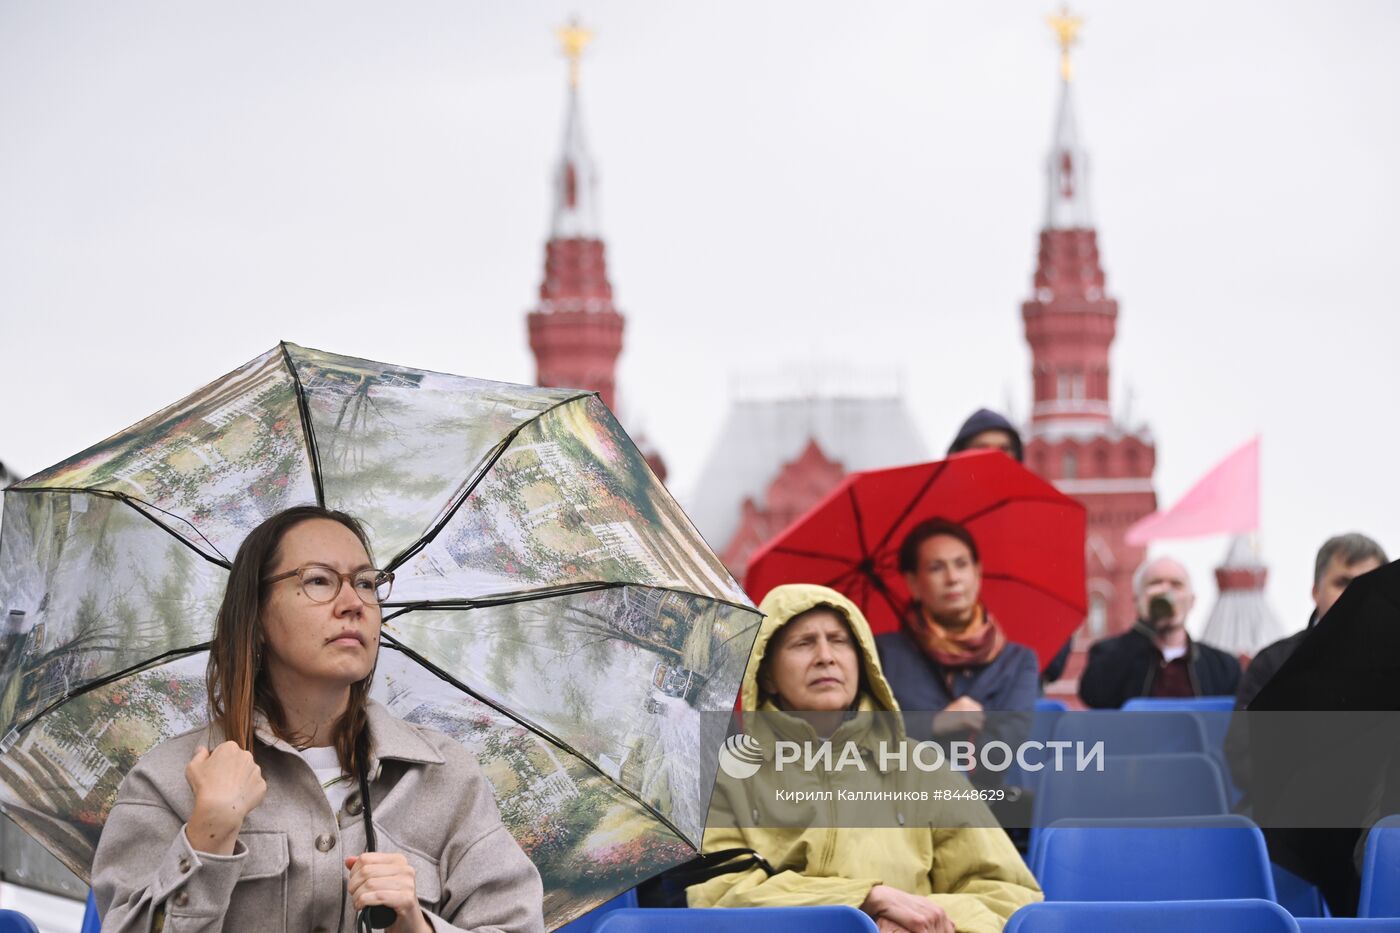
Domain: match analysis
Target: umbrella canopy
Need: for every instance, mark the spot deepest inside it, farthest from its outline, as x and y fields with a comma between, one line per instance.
x=1324, y=736
x=554, y=609
x=1030, y=537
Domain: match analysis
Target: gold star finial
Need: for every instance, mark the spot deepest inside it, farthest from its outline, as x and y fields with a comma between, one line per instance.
x=1067, y=32
x=574, y=38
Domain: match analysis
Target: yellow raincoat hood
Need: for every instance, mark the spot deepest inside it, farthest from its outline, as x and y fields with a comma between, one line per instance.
x=785, y=603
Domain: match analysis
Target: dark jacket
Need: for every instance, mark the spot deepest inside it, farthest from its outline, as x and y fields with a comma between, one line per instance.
x=1125, y=666
x=1008, y=686
x=1260, y=671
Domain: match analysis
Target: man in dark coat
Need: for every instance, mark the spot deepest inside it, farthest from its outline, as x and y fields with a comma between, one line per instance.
x=1156, y=658
x=1339, y=561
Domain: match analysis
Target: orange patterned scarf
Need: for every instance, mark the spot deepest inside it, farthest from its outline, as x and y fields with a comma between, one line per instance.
x=977, y=645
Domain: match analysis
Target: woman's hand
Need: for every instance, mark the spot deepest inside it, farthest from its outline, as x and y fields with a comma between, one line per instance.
x=962, y=715
x=885, y=925
x=387, y=878
x=905, y=911
x=227, y=785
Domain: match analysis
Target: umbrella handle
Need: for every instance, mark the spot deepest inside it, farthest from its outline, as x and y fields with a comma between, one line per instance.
x=377, y=916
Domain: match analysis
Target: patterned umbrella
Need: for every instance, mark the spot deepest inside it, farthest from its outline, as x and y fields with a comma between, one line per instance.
x=554, y=609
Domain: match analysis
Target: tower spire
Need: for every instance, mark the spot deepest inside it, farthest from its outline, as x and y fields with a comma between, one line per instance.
x=1070, y=322
x=1067, y=164
x=575, y=332
x=574, y=177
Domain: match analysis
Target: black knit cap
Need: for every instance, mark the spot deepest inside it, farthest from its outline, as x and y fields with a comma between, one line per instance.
x=984, y=419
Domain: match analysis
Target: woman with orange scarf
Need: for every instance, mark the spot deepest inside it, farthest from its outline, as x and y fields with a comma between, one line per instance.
x=950, y=661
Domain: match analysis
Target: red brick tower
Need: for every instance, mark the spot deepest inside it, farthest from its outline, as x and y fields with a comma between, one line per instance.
x=1070, y=322
x=575, y=332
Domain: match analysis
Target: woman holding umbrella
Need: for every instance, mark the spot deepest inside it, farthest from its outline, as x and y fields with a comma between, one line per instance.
x=270, y=819
x=813, y=670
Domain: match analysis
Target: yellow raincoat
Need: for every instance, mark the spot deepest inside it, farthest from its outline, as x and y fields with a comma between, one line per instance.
x=973, y=872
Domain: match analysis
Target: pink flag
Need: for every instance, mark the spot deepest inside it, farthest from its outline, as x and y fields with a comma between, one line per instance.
x=1225, y=500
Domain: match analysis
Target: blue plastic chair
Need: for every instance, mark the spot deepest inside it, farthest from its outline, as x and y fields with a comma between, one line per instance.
x=1380, y=872
x=1134, y=733
x=1349, y=924
x=1195, y=859
x=738, y=920
x=1129, y=787
x=1242, y=916
x=1132, y=786
x=92, y=923
x=589, y=922
x=1299, y=897
x=1047, y=712
x=1212, y=704
x=12, y=921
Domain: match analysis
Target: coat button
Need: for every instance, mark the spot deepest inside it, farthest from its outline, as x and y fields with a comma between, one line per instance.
x=184, y=865
x=325, y=842
x=353, y=806
x=182, y=899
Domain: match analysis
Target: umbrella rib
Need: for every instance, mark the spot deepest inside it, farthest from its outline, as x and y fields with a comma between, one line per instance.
x=860, y=520
x=506, y=599
x=913, y=504
x=104, y=681
x=136, y=504
x=532, y=727
x=312, y=453
x=496, y=453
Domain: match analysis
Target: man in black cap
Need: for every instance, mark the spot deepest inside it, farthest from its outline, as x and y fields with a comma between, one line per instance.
x=987, y=430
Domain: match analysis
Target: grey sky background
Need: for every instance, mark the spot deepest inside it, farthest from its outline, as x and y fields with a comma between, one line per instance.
x=183, y=184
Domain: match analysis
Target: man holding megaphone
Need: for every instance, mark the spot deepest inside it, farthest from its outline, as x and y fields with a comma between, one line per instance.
x=1156, y=658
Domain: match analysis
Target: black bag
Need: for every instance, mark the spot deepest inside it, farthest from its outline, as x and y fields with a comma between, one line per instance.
x=668, y=888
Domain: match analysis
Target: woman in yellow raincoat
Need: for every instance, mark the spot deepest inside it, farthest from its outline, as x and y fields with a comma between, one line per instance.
x=815, y=654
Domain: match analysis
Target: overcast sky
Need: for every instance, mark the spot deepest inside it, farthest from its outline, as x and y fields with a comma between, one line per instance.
x=183, y=184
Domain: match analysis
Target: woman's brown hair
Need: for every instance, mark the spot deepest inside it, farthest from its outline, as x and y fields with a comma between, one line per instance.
x=237, y=681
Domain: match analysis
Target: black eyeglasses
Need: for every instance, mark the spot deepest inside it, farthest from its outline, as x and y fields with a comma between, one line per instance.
x=321, y=584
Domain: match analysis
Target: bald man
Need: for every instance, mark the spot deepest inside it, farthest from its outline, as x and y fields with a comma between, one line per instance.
x=1156, y=658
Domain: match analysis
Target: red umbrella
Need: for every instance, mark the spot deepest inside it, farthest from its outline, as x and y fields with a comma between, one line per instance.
x=1029, y=534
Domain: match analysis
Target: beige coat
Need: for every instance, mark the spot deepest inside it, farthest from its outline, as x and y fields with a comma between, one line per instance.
x=967, y=867
x=287, y=872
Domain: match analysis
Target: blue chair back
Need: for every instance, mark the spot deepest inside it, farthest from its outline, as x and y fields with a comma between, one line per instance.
x=1134, y=733
x=1213, y=704
x=1129, y=787
x=1242, y=916
x=589, y=922
x=738, y=920
x=1047, y=712
x=92, y=923
x=1133, y=786
x=1380, y=872
x=1196, y=859
x=1300, y=898
x=12, y=921
x=1348, y=925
